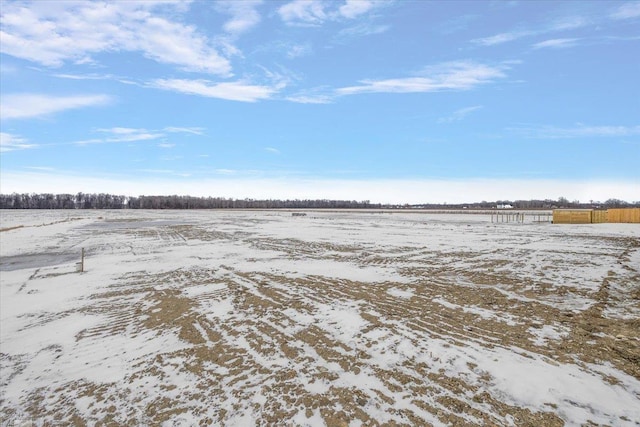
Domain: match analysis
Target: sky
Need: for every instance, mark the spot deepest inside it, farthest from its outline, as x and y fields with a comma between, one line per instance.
x=388, y=101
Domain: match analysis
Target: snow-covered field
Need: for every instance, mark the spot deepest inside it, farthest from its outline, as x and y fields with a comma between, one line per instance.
x=334, y=318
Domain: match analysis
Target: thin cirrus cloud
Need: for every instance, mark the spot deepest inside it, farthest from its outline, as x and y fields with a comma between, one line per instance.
x=119, y=134
x=24, y=106
x=316, y=12
x=460, y=114
x=11, y=142
x=55, y=34
x=581, y=131
x=124, y=134
x=563, y=24
x=556, y=43
x=460, y=75
x=627, y=11
x=191, y=130
x=303, y=12
x=502, y=38
x=232, y=91
x=298, y=50
x=354, y=8
x=362, y=30
x=317, y=95
x=311, y=99
x=244, y=15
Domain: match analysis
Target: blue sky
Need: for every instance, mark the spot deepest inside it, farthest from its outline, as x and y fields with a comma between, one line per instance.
x=391, y=101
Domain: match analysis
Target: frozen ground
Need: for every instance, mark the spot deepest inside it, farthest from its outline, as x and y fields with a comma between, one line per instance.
x=334, y=318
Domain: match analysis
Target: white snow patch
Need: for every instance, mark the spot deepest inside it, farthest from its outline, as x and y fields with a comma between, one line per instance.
x=547, y=332
x=341, y=320
x=400, y=293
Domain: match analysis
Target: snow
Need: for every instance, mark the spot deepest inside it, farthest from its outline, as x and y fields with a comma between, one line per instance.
x=341, y=321
x=246, y=316
x=542, y=334
x=400, y=293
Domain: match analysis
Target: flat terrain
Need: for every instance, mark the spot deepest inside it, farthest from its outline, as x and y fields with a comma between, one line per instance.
x=333, y=318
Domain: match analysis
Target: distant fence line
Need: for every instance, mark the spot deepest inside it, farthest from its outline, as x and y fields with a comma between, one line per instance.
x=527, y=212
x=500, y=216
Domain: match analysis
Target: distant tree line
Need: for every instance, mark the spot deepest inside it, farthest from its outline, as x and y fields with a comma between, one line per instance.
x=110, y=201
x=560, y=203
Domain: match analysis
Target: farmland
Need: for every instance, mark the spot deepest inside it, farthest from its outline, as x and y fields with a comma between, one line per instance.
x=332, y=318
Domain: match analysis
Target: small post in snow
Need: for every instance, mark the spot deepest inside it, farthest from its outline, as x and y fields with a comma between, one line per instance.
x=80, y=265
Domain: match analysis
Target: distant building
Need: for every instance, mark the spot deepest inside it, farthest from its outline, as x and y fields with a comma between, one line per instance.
x=504, y=207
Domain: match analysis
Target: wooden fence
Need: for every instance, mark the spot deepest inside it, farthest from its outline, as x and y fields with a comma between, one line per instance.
x=624, y=215
x=599, y=216
x=591, y=216
x=572, y=216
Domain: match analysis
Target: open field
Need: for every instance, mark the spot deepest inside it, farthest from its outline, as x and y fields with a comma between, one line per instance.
x=334, y=318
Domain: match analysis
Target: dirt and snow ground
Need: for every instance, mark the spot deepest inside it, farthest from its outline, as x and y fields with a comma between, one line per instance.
x=334, y=318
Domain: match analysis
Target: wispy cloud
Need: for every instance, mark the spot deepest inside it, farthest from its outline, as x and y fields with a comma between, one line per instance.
x=354, y=8
x=460, y=114
x=244, y=15
x=7, y=69
x=298, y=50
x=124, y=134
x=123, y=131
x=363, y=29
x=627, y=11
x=233, y=91
x=567, y=23
x=88, y=76
x=27, y=105
x=311, y=99
x=316, y=12
x=121, y=135
x=580, y=131
x=502, y=38
x=95, y=76
x=192, y=130
x=10, y=142
x=303, y=12
x=73, y=31
x=272, y=150
x=317, y=95
x=556, y=43
x=562, y=24
x=460, y=75
x=289, y=48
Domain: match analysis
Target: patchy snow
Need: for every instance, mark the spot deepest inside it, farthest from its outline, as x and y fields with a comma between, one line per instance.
x=400, y=293
x=541, y=334
x=342, y=318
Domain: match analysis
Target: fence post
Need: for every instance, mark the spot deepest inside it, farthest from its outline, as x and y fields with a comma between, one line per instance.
x=82, y=262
